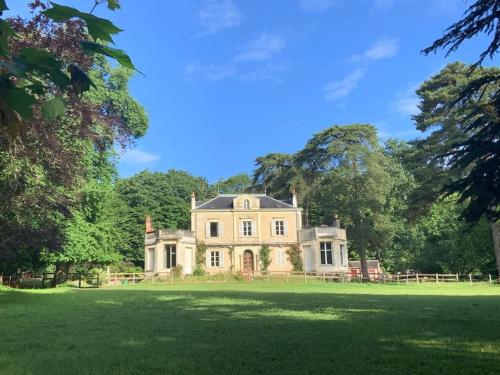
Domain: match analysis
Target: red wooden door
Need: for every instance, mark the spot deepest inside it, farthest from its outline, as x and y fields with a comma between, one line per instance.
x=248, y=261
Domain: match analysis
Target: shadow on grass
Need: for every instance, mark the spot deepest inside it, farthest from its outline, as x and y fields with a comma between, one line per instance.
x=218, y=331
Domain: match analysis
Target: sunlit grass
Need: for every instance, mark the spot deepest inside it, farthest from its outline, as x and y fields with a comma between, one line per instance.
x=252, y=328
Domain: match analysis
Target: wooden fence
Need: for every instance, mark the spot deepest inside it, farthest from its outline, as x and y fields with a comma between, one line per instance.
x=114, y=279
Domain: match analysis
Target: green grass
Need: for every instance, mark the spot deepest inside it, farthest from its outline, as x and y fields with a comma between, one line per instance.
x=255, y=328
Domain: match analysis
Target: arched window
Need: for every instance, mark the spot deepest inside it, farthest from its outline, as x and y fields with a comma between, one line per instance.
x=246, y=204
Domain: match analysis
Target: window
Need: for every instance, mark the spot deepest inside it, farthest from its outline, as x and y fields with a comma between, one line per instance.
x=215, y=259
x=246, y=204
x=214, y=229
x=247, y=228
x=326, y=252
x=342, y=250
x=170, y=256
x=280, y=258
x=279, y=227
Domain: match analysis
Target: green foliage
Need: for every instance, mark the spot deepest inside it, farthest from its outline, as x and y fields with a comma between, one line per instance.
x=295, y=257
x=265, y=257
x=239, y=183
x=177, y=270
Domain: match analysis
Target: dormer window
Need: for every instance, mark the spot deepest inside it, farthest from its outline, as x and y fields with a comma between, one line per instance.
x=246, y=204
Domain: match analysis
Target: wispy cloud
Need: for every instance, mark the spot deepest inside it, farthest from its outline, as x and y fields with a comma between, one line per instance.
x=210, y=72
x=269, y=72
x=263, y=48
x=343, y=87
x=406, y=102
x=382, y=49
x=315, y=5
x=138, y=157
x=217, y=15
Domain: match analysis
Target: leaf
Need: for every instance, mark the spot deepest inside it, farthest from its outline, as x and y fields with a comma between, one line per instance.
x=5, y=32
x=20, y=101
x=79, y=79
x=98, y=28
x=53, y=108
x=44, y=62
x=3, y=6
x=119, y=55
x=113, y=4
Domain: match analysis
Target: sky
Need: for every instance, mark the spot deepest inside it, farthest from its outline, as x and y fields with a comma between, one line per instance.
x=226, y=81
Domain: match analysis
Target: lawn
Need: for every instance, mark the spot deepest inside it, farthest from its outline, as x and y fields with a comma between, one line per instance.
x=255, y=328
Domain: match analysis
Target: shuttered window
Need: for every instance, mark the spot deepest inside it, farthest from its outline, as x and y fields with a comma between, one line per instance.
x=326, y=253
x=280, y=258
x=247, y=228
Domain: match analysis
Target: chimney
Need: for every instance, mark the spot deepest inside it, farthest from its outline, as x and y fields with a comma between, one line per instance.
x=294, y=198
x=149, y=225
x=193, y=200
x=336, y=221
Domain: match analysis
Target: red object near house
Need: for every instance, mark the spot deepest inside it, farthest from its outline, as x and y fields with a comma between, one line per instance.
x=373, y=268
x=149, y=225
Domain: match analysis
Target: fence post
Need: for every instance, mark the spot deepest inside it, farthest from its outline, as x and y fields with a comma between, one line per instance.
x=470, y=278
x=437, y=278
x=79, y=280
x=133, y=278
x=324, y=279
x=97, y=280
x=114, y=281
x=305, y=277
x=406, y=279
x=457, y=277
x=398, y=278
x=489, y=277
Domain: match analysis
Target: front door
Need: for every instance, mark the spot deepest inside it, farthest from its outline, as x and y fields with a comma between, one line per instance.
x=248, y=261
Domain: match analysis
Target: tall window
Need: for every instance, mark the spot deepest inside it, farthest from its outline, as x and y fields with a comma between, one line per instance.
x=279, y=227
x=214, y=229
x=280, y=258
x=215, y=258
x=342, y=250
x=246, y=204
x=247, y=228
x=170, y=256
x=326, y=252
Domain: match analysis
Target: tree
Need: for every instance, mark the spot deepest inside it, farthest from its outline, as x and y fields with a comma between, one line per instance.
x=165, y=197
x=462, y=153
x=355, y=184
x=240, y=183
x=481, y=17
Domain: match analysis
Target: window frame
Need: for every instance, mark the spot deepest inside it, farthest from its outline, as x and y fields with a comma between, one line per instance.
x=246, y=204
x=247, y=229
x=279, y=227
x=216, y=222
x=326, y=254
x=170, y=256
x=215, y=258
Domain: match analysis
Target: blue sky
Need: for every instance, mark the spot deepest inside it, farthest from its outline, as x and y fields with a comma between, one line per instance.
x=229, y=80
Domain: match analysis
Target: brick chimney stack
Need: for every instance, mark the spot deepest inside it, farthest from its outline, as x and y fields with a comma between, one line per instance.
x=149, y=225
x=193, y=200
x=336, y=221
x=294, y=198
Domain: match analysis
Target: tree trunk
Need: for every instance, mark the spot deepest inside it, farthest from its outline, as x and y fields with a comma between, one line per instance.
x=495, y=231
x=364, y=265
x=61, y=274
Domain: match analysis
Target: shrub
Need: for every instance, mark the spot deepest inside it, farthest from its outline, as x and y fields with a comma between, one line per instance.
x=201, y=251
x=295, y=257
x=177, y=270
x=265, y=256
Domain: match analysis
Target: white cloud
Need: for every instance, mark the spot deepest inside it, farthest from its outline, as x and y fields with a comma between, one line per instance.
x=383, y=49
x=263, y=48
x=315, y=5
x=136, y=156
x=217, y=15
x=341, y=88
x=406, y=102
x=211, y=72
x=269, y=72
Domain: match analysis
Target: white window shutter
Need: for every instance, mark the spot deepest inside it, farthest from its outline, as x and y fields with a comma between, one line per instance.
x=208, y=258
x=221, y=257
x=241, y=228
x=285, y=226
x=254, y=228
x=221, y=228
x=273, y=227
x=207, y=229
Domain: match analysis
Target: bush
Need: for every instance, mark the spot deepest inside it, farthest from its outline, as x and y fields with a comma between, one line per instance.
x=295, y=257
x=265, y=257
x=177, y=270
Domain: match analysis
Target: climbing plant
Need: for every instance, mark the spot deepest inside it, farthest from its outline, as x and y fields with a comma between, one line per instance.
x=265, y=257
x=295, y=258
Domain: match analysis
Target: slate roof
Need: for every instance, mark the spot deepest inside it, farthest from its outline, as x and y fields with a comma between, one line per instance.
x=225, y=202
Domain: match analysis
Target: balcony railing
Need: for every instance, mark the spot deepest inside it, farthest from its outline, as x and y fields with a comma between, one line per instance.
x=318, y=232
x=167, y=234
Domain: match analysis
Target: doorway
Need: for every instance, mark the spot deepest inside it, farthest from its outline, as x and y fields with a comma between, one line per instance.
x=248, y=265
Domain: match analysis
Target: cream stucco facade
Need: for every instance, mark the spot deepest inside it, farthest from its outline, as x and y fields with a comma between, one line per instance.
x=234, y=228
